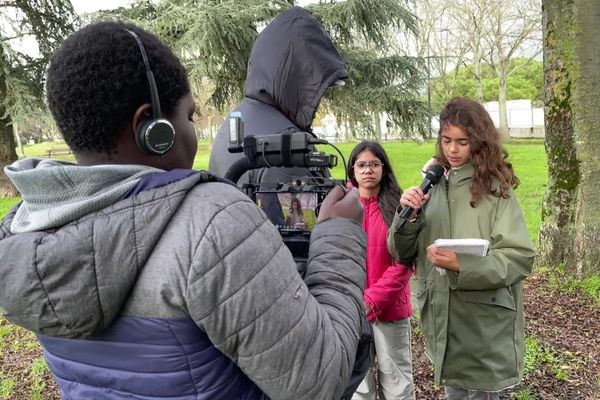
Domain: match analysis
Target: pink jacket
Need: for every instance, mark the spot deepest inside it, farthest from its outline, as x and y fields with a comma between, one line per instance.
x=388, y=282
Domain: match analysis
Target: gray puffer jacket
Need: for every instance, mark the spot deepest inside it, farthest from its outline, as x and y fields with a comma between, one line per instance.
x=193, y=251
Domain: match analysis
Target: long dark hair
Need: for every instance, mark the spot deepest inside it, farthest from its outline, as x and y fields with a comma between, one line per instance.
x=487, y=154
x=298, y=210
x=389, y=191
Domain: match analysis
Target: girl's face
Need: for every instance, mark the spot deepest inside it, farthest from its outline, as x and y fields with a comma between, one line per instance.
x=456, y=146
x=368, y=170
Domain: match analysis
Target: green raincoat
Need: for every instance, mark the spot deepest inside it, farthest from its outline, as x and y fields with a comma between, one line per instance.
x=472, y=320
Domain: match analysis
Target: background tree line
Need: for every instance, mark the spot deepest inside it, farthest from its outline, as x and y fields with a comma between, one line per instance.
x=527, y=82
x=478, y=40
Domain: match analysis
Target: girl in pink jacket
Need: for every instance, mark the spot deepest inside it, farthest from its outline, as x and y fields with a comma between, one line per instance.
x=387, y=296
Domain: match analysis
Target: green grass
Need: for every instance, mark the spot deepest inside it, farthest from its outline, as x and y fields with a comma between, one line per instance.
x=524, y=394
x=591, y=286
x=7, y=387
x=559, y=279
x=38, y=369
x=41, y=150
x=7, y=203
x=560, y=364
x=533, y=355
x=527, y=156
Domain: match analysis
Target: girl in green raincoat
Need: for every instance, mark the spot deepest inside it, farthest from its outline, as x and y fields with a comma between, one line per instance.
x=471, y=307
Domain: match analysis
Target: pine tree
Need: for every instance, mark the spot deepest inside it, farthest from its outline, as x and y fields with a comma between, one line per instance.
x=21, y=74
x=215, y=37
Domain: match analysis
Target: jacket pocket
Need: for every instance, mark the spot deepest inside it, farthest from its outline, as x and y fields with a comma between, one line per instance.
x=501, y=297
x=482, y=337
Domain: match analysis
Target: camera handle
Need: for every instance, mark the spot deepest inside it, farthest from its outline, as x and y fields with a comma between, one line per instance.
x=289, y=149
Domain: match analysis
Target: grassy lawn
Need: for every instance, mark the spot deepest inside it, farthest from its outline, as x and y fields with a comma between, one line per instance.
x=527, y=156
x=23, y=372
x=7, y=203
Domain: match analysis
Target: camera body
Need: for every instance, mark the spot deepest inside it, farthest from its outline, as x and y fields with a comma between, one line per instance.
x=291, y=203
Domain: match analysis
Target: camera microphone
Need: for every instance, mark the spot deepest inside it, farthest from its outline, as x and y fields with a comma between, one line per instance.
x=432, y=177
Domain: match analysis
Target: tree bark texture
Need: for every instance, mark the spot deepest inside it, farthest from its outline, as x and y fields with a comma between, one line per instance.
x=18, y=139
x=7, y=156
x=570, y=231
x=7, y=140
x=587, y=136
x=502, y=110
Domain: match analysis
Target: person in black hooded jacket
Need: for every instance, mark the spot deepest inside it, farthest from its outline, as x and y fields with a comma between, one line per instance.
x=292, y=63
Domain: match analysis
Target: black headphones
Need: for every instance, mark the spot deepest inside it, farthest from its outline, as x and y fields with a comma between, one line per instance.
x=154, y=135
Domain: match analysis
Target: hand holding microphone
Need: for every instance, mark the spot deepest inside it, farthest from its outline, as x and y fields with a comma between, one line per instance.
x=413, y=198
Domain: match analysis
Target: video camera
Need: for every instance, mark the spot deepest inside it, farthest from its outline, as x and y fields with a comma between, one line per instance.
x=292, y=205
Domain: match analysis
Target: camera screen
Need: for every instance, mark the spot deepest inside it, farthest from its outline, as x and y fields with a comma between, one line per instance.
x=288, y=211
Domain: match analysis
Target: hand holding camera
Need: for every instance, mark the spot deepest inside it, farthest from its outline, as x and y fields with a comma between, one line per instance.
x=343, y=204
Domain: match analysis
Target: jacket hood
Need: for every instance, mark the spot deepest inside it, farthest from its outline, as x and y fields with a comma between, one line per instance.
x=292, y=63
x=57, y=192
x=72, y=280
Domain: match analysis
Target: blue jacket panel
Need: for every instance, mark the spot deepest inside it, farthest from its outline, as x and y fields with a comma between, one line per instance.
x=146, y=358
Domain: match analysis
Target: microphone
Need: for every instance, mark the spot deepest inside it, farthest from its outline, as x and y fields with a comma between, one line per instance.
x=432, y=177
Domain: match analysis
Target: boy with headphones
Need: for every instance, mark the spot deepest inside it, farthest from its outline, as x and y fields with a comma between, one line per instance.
x=145, y=279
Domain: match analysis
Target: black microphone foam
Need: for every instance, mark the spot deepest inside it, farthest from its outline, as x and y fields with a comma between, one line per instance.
x=432, y=177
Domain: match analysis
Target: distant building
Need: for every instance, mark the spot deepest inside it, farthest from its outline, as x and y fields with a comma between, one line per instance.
x=524, y=121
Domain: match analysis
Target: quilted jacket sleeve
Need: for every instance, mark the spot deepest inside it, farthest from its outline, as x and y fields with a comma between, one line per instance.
x=295, y=339
x=387, y=289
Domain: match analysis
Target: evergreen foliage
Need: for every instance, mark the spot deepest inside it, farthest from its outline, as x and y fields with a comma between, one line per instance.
x=215, y=37
x=46, y=21
x=22, y=74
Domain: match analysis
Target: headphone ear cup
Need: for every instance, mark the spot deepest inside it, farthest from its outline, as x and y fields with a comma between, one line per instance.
x=140, y=135
x=155, y=136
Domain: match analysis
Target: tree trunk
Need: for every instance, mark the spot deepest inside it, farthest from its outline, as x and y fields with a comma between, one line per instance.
x=348, y=133
x=377, y=123
x=18, y=139
x=7, y=155
x=587, y=137
x=570, y=232
x=502, y=98
x=557, y=229
x=479, y=82
x=7, y=139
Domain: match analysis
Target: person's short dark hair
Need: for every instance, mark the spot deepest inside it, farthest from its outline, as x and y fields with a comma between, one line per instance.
x=96, y=81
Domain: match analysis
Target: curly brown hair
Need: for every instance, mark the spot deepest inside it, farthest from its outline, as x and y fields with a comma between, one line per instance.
x=493, y=173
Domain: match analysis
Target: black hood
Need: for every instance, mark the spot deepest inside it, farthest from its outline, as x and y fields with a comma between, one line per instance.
x=292, y=63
